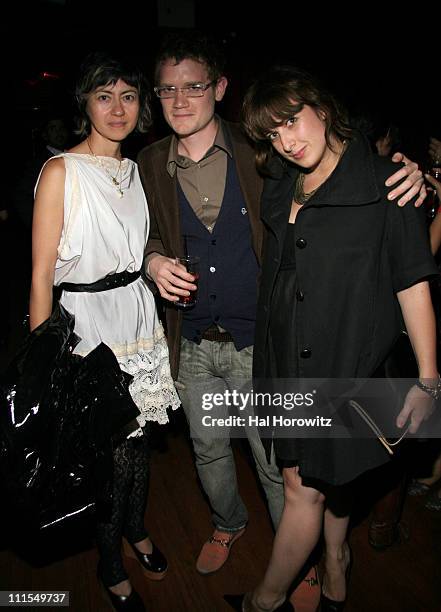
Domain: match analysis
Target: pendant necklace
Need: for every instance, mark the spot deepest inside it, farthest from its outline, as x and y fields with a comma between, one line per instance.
x=114, y=179
x=300, y=197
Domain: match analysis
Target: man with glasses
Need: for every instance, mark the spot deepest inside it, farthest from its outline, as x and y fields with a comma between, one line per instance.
x=203, y=193
x=201, y=183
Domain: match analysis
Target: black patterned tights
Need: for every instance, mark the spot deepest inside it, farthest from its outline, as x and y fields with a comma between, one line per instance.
x=130, y=489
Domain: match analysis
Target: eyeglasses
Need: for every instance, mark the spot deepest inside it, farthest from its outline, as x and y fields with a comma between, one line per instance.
x=195, y=90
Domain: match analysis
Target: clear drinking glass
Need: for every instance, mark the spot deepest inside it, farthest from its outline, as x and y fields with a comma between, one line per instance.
x=191, y=264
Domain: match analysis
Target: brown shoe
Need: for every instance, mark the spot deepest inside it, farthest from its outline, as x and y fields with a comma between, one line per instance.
x=216, y=550
x=383, y=535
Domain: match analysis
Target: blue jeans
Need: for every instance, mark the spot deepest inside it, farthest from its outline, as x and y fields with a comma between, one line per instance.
x=214, y=367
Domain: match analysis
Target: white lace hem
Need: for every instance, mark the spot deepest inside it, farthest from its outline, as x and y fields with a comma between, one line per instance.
x=152, y=387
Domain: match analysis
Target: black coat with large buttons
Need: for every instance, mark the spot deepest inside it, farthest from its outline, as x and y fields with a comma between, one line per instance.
x=354, y=251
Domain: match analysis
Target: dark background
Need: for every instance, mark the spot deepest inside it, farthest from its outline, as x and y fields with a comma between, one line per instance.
x=377, y=65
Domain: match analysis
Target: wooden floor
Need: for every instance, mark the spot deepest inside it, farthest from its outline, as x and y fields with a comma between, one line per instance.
x=404, y=578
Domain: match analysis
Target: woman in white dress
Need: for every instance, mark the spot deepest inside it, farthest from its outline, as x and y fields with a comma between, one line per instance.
x=90, y=227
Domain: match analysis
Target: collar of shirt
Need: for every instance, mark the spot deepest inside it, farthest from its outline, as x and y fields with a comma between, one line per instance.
x=174, y=159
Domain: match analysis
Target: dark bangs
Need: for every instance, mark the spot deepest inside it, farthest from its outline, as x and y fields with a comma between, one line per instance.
x=100, y=70
x=269, y=114
x=279, y=94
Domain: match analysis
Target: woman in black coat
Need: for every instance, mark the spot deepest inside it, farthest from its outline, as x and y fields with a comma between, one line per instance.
x=341, y=267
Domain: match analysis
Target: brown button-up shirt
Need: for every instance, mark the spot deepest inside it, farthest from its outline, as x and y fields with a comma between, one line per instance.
x=202, y=182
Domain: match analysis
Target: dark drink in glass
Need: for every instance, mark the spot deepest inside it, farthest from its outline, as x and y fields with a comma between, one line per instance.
x=191, y=264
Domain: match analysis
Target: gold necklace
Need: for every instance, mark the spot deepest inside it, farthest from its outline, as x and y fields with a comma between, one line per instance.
x=114, y=180
x=299, y=194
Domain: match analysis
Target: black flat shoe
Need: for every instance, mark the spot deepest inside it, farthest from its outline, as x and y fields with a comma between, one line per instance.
x=329, y=605
x=236, y=601
x=154, y=565
x=125, y=603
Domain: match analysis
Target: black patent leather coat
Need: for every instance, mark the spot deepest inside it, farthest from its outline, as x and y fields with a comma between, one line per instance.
x=59, y=413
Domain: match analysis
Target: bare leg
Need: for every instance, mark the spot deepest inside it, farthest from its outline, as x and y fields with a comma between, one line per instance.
x=144, y=546
x=122, y=588
x=337, y=556
x=297, y=534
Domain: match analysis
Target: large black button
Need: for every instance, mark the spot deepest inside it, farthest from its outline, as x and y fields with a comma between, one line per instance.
x=213, y=242
x=300, y=296
x=301, y=243
x=216, y=318
x=213, y=297
x=305, y=354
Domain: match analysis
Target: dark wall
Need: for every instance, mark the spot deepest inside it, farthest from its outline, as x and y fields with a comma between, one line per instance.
x=373, y=64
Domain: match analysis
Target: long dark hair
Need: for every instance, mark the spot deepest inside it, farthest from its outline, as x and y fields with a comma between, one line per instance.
x=276, y=96
x=100, y=69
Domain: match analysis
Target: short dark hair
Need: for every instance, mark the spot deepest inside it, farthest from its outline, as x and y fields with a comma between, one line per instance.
x=278, y=94
x=193, y=45
x=100, y=68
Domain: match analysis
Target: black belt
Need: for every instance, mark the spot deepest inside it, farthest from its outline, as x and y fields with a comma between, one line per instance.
x=213, y=334
x=121, y=279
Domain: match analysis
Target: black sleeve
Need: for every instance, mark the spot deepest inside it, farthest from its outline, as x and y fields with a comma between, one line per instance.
x=409, y=245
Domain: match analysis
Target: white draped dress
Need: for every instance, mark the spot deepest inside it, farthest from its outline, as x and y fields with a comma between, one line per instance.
x=104, y=234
